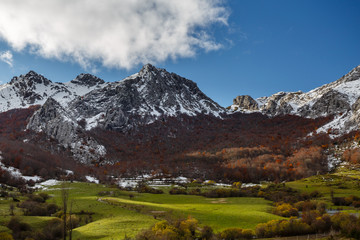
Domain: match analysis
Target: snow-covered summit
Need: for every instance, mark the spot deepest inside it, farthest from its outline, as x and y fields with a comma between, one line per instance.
x=34, y=89
x=86, y=79
x=140, y=99
x=338, y=98
x=144, y=97
x=30, y=89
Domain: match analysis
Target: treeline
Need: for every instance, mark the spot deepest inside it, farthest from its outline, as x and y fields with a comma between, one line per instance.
x=167, y=147
x=191, y=147
x=311, y=222
x=190, y=229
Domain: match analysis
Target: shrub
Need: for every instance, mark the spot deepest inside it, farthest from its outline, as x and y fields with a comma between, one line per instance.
x=309, y=216
x=237, y=184
x=196, y=191
x=348, y=224
x=181, y=229
x=53, y=230
x=206, y=233
x=231, y=234
x=17, y=226
x=37, y=198
x=356, y=204
x=247, y=233
x=282, y=228
x=45, y=196
x=163, y=230
x=188, y=227
x=315, y=194
x=345, y=201
x=178, y=191
x=6, y=236
x=311, y=205
x=52, y=208
x=305, y=205
x=319, y=225
x=223, y=193
x=236, y=233
x=75, y=221
x=285, y=210
x=34, y=208
x=31, y=208
x=339, y=201
x=20, y=229
x=143, y=188
x=282, y=193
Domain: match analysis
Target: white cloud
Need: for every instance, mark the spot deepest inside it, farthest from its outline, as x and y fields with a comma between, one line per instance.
x=116, y=33
x=7, y=57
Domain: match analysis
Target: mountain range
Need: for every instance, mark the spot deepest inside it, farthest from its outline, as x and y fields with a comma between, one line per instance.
x=77, y=114
x=340, y=99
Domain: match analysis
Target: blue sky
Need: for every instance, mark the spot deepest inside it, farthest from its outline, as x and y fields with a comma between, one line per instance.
x=254, y=47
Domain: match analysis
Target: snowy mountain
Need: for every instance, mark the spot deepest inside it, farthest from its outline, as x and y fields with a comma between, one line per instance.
x=340, y=99
x=34, y=89
x=80, y=114
x=143, y=98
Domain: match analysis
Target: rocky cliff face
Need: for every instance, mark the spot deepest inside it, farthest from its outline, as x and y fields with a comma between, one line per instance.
x=339, y=98
x=53, y=120
x=143, y=98
x=150, y=95
x=246, y=102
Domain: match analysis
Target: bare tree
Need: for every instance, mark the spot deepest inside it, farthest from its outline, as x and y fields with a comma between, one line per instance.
x=64, y=199
x=11, y=208
x=70, y=221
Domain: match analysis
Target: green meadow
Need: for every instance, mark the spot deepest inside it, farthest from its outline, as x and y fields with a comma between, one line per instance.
x=343, y=182
x=120, y=216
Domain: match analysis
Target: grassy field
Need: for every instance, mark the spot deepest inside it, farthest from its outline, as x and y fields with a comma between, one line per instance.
x=218, y=213
x=108, y=222
x=116, y=216
x=343, y=182
x=121, y=215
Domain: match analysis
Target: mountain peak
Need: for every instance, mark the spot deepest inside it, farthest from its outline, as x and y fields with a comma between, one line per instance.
x=30, y=78
x=32, y=73
x=148, y=68
x=352, y=75
x=87, y=79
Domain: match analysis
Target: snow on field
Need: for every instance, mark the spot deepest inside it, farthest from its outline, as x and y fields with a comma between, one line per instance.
x=127, y=183
x=92, y=179
x=33, y=178
x=46, y=184
x=17, y=174
x=245, y=185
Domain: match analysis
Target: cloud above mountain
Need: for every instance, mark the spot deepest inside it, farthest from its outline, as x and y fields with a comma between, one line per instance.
x=6, y=57
x=117, y=34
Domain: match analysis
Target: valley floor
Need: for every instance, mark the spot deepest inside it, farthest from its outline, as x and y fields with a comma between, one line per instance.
x=110, y=213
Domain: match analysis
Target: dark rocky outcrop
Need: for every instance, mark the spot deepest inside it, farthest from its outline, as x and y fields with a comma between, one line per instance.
x=88, y=80
x=246, y=102
x=332, y=102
